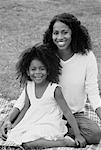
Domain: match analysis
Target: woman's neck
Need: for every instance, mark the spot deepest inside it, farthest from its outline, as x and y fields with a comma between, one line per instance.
x=65, y=54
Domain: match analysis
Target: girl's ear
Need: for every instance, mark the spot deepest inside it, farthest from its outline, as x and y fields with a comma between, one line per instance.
x=47, y=73
x=28, y=72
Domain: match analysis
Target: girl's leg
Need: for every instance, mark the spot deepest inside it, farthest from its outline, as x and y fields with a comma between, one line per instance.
x=43, y=143
x=88, y=128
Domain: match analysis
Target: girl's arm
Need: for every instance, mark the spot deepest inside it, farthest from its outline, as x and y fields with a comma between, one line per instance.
x=25, y=99
x=16, y=115
x=7, y=124
x=69, y=116
x=13, y=115
x=23, y=111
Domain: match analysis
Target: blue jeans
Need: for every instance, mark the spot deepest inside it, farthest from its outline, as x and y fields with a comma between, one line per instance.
x=88, y=128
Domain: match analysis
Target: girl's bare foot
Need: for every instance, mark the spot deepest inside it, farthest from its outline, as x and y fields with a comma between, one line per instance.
x=24, y=145
x=43, y=143
x=69, y=142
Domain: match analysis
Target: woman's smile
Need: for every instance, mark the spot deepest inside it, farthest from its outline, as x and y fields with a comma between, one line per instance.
x=61, y=35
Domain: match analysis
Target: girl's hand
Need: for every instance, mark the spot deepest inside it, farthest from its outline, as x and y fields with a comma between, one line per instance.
x=3, y=132
x=80, y=141
x=8, y=125
x=4, y=129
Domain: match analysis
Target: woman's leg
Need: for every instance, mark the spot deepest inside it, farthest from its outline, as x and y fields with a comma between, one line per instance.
x=43, y=143
x=88, y=128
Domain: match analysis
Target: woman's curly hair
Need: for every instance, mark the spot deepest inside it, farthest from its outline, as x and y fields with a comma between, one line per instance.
x=81, y=42
x=44, y=54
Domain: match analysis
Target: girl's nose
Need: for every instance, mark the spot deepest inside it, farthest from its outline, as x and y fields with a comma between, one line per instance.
x=37, y=71
x=60, y=36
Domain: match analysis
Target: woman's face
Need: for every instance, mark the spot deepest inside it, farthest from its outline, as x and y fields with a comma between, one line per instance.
x=61, y=35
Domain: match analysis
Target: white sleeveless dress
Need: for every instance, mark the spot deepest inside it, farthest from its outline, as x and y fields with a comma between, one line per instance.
x=43, y=119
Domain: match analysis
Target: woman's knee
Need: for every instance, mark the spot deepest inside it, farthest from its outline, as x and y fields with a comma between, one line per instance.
x=89, y=129
x=93, y=136
x=96, y=136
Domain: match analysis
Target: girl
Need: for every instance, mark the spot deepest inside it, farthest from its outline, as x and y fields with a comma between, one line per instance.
x=70, y=40
x=42, y=125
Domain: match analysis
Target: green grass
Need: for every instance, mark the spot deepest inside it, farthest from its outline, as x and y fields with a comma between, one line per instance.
x=23, y=22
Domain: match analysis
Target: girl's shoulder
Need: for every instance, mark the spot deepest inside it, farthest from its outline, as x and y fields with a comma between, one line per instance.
x=53, y=86
x=29, y=84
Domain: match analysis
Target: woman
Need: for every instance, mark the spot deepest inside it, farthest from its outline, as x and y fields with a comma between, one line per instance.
x=71, y=42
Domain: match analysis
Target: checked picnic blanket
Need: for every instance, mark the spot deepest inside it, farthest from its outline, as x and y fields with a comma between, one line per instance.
x=6, y=106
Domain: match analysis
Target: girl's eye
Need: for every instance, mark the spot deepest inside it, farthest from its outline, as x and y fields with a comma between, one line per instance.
x=33, y=69
x=55, y=32
x=42, y=68
x=65, y=32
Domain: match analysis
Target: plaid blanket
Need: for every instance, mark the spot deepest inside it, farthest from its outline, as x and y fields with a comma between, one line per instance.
x=6, y=106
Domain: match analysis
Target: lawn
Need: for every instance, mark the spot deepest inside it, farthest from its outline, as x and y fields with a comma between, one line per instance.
x=23, y=22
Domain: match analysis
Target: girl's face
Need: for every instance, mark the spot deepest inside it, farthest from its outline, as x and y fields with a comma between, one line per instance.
x=37, y=71
x=61, y=35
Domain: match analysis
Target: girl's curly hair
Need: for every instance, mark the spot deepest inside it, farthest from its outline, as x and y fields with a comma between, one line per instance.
x=81, y=42
x=44, y=54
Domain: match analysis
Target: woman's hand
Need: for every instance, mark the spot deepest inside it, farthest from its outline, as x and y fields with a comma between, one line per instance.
x=80, y=141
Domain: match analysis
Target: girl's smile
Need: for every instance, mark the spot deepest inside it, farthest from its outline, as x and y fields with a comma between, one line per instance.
x=37, y=71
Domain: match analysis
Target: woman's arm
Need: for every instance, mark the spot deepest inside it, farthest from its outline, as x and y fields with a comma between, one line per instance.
x=98, y=112
x=69, y=116
x=91, y=82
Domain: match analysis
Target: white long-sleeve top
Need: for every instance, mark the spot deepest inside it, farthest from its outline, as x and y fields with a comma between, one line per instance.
x=79, y=80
